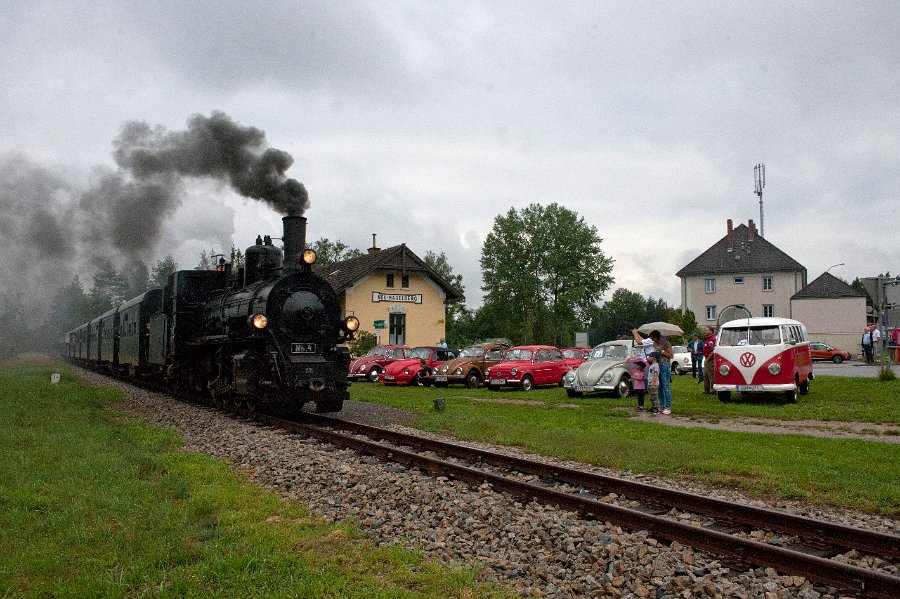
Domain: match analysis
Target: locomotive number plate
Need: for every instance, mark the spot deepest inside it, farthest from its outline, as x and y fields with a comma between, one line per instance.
x=303, y=348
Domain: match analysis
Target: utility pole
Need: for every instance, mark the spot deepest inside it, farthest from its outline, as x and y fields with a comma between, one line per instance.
x=759, y=174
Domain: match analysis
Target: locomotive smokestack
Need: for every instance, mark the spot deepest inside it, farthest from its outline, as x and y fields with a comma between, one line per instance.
x=294, y=242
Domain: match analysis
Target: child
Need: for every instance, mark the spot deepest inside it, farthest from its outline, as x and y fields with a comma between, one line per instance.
x=639, y=381
x=653, y=381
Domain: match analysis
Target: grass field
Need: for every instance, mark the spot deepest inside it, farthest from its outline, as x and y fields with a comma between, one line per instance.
x=94, y=507
x=597, y=430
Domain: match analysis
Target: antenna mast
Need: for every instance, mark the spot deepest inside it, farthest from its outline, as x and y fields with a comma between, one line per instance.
x=759, y=174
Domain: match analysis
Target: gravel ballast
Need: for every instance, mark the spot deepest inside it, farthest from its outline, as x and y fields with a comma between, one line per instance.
x=529, y=548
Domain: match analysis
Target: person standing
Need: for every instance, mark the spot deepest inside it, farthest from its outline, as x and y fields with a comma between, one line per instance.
x=662, y=347
x=876, y=344
x=696, y=349
x=709, y=363
x=653, y=380
x=639, y=381
x=868, y=344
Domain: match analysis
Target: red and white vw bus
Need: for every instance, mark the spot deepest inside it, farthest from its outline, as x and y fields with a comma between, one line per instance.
x=762, y=355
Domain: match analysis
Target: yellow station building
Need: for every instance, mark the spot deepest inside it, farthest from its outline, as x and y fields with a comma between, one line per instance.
x=395, y=295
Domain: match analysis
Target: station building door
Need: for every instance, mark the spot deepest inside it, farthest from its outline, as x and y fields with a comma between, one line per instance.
x=397, y=331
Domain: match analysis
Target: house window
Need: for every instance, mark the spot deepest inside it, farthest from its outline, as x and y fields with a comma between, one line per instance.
x=404, y=281
x=739, y=280
x=709, y=285
x=767, y=283
x=769, y=310
x=389, y=283
x=710, y=312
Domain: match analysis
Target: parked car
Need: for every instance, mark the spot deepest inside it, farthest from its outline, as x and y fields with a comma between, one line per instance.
x=574, y=356
x=369, y=366
x=417, y=368
x=604, y=371
x=681, y=360
x=526, y=367
x=469, y=366
x=823, y=351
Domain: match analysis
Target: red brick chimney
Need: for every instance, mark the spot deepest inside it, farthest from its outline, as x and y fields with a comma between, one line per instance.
x=729, y=243
x=751, y=230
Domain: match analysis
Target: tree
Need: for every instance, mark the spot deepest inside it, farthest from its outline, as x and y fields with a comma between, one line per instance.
x=110, y=288
x=624, y=311
x=545, y=268
x=330, y=253
x=206, y=260
x=237, y=258
x=455, y=308
x=160, y=274
x=362, y=342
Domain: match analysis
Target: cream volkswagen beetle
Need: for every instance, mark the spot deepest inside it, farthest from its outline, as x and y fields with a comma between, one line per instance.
x=604, y=371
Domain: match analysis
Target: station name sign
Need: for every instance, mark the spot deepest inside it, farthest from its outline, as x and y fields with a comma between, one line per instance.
x=397, y=297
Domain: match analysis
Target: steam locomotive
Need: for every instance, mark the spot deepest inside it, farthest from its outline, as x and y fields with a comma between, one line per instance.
x=267, y=335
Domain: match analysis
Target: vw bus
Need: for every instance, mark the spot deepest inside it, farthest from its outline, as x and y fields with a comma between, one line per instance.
x=762, y=355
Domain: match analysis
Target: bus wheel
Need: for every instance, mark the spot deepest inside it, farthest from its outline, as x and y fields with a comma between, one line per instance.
x=791, y=396
x=804, y=387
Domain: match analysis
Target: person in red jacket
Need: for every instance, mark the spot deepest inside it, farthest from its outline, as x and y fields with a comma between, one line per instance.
x=709, y=366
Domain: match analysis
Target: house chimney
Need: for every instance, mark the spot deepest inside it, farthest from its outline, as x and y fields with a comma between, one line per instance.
x=294, y=242
x=751, y=230
x=374, y=248
x=729, y=242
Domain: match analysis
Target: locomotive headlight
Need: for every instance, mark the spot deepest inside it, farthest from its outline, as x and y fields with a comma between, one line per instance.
x=351, y=323
x=774, y=368
x=259, y=321
x=310, y=256
x=724, y=370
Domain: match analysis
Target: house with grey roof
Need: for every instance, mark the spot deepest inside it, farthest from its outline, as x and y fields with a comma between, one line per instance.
x=742, y=269
x=833, y=312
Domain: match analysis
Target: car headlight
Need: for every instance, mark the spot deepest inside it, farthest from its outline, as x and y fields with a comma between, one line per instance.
x=513, y=371
x=362, y=367
x=724, y=370
x=774, y=368
x=607, y=377
x=442, y=369
x=487, y=372
x=259, y=321
x=406, y=371
x=570, y=376
x=458, y=370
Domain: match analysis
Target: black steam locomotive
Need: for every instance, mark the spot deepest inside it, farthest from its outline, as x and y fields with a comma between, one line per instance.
x=267, y=335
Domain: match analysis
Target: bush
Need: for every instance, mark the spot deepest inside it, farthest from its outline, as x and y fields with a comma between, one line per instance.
x=886, y=374
x=363, y=342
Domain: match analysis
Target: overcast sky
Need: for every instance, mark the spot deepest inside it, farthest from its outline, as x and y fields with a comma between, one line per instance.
x=422, y=121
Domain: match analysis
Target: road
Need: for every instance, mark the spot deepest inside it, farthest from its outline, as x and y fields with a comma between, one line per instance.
x=850, y=368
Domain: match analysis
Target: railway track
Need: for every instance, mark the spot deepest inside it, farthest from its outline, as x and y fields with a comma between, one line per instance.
x=725, y=532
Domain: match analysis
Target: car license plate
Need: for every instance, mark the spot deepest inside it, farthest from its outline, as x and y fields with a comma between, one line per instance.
x=389, y=377
x=440, y=379
x=303, y=348
x=497, y=381
x=581, y=388
x=749, y=388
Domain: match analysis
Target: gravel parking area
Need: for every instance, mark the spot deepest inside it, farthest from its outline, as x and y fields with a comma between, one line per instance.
x=530, y=548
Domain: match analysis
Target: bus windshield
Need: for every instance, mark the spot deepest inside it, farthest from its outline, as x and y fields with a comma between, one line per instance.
x=761, y=335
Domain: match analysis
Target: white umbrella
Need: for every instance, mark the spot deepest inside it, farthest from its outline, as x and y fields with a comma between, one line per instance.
x=666, y=329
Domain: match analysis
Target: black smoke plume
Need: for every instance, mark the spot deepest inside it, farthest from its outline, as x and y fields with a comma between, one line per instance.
x=53, y=228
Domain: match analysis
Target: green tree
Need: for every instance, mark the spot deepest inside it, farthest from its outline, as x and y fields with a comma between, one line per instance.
x=544, y=266
x=624, y=311
x=110, y=288
x=329, y=253
x=362, y=342
x=455, y=308
x=237, y=258
x=160, y=274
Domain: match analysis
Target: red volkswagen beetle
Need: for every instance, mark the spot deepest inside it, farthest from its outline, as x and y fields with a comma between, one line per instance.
x=527, y=366
x=417, y=368
x=369, y=366
x=574, y=356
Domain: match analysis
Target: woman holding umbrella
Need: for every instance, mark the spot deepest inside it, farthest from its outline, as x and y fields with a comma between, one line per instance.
x=662, y=346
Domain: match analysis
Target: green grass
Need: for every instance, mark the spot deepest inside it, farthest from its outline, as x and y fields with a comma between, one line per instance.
x=93, y=506
x=596, y=430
